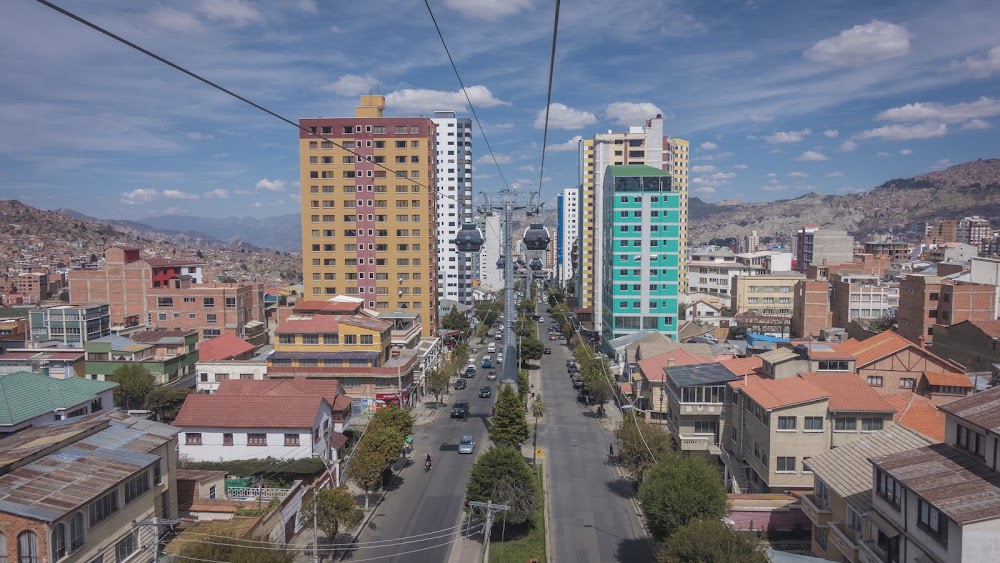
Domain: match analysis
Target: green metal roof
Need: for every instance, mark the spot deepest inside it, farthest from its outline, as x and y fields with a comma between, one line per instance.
x=636, y=170
x=25, y=395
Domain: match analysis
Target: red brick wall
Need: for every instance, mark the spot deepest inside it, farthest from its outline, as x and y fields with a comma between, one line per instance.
x=12, y=525
x=967, y=302
x=915, y=306
x=811, y=308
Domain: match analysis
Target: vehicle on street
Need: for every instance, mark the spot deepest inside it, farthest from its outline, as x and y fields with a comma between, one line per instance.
x=499, y=336
x=571, y=363
x=470, y=371
x=577, y=382
x=460, y=409
x=492, y=348
x=500, y=358
x=561, y=337
x=553, y=336
x=550, y=330
x=547, y=350
x=487, y=362
x=491, y=375
x=467, y=445
x=460, y=384
x=485, y=392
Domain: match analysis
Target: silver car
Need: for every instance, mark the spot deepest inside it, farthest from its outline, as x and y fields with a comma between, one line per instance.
x=467, y=445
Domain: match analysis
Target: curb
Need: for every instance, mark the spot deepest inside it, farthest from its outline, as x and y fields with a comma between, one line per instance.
x=550, y=554
x=371, y=515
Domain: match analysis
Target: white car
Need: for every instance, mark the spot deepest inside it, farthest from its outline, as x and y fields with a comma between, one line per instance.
x=467, y=445
x=492, y=348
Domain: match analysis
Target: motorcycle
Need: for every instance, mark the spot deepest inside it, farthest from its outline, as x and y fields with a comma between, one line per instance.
x=427, y=465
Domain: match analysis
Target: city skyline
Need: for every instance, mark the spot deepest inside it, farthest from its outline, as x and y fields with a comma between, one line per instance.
x=774, y=103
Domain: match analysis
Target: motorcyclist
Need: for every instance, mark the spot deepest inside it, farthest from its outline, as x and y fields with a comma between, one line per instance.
x=427, y=461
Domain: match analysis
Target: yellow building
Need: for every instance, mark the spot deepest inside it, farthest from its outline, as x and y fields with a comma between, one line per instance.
x=368, y=217
x=585, y=277
x=677, y=163
x=767, y=295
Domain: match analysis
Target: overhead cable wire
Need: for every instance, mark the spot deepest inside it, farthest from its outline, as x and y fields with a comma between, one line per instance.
x=548, y=97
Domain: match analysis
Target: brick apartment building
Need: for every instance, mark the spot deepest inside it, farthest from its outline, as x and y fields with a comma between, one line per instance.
x=861, y=297
x=167, y=294
x=875, y=265
x=810, y=308
x=928, y=300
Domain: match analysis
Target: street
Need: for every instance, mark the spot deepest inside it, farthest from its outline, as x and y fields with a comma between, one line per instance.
x=590, y=510
x=428, y=501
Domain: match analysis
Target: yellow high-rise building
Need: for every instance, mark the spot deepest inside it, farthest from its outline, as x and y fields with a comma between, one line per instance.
x=368, y=216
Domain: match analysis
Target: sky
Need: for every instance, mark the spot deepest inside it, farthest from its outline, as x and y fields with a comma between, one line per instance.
x=777, y=98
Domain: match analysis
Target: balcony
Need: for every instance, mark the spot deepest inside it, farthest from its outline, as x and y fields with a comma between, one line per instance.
x=690, y=443
x=870, y=552
x=817, y=510
x=844, y=539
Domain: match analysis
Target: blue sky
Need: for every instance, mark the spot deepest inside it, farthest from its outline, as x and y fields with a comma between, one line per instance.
x=777, y=98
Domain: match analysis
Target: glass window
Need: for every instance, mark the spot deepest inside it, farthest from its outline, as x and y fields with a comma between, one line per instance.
x=124, y=548
x=813, y=423
x=58, y=537
x=786, y=423
x=786, y=464
x=77, y=535
x=842, y=423
x=27, y=547
x=136, y=486
x=103, y=507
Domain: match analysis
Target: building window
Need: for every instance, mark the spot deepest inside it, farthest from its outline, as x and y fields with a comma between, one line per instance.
x=350, y=339
x=208, y=302
x=310, y=339
x=286, y=339
x=291, y=439
x=971, y=441
x=822, y=493
x=930, y=520
x=845, y=424
x=834, y=365
x=125, y=548
x=27, y=547
x=103, y=508
x=227, y=439
x=230, y=301
x=211, y=318
x=58, y=537
x=786, y=464
x=192, y=438
x=888, y=488
x=871, y=424
x=158, y=472
x=164, y=301
x=136, y=487
x=331, y=339
x=875, y=380
x=819, y=534
x=786, y=423
x=367, y=339
x=256, y=439
x=907, y=382
x=813, y=424
x=77, y=536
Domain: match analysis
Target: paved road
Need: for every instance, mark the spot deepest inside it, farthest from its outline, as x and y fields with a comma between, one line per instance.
x=592, y=518
x=422, y=502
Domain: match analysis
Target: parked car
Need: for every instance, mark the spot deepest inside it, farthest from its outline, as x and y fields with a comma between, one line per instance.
x=485, y=392
x=547, y=350
x=571, y=363
x=553, y=336
x=460, y=384
x=577, y=382
x=491, y=375
x=499, y=336
x=467, y=445
x=460, y=409
x=470, y=371
x=492, y=348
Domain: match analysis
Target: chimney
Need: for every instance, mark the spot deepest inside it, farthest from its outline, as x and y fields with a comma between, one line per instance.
x=671, y=362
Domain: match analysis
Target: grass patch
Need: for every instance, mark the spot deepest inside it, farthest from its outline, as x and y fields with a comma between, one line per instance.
x=525, y=542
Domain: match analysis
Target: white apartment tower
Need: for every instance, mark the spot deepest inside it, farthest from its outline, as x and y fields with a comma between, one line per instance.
x=454, y=204
x=569, y=220
x=491, y=276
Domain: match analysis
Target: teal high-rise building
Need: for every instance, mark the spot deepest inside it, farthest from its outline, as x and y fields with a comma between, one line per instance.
x=642, y=242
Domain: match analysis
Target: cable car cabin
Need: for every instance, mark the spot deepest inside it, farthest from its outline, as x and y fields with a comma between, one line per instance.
x=536, y=237
x=469, y=239
x=500, y=263
x=536, y=264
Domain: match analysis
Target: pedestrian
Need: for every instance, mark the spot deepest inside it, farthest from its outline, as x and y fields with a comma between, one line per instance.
x=611, y=450
x=619, y=455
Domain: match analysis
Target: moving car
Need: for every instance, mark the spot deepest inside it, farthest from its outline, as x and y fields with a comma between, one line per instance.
x=547, y=350
x=492, y=348
x=485, y=392
x=470, y=371
x=553, y=336
x=487, y=362
x=467, y=445
x=460, y=409
x=491, y=375
x=460, y=384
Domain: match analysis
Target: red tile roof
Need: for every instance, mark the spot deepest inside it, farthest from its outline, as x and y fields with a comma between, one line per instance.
x=342, y=402
x=875, y=348
x=918, y=413
x=771, y=394
x=948, y=379
x=329, y=389
x=243, y=411
x=743, y=366
x=990, y=328
x=317, y=324
x=337, y=440
x=848, y=392
x=652, y=368
x=223, y=347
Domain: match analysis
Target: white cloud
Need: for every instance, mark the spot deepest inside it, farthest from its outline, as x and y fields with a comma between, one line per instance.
x=506, y=125
x=836, y=174
x=942, y=113
x=351, y=85
x=881, y=154
x=797, y=175
x=196, y=136
x=773, y=188
x=760, y=118
x=715, y=156
x=308, y=6
x=831, y=133
x=632, y=113
x=720, y=176
x=295, y=197
x=562, y=116
x=850, y=190
x=700, y=169
x=741, y=167
x=705, y=190
x=874, y=41
x=787, y=136
x=976, y=124
x=848, y=146
x=237, y=12
x=418, y=100
x=257, y=204
x=897, y=132
x=218, y=193
x=488, y=159
x=709, y=146
x=175, y=20
x=271, y=185
x=812, y=156
x=488, y=9
x=177, y=194
x=771, y=174
x=906, y=152
x=570, y=145
x=527, y=168
x=980, y=67
x=139, y=195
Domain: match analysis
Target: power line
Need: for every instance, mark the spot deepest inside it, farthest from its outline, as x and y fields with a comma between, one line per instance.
x=548, y=98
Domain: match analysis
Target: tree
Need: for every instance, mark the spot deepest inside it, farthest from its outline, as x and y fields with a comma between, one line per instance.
x=531, y=349
x=523, y=383
x=395, y=418
x=334, y=507
x=508, y=426
x=231, y=549
x=93, y=258
x=636, y=439
x=377, y=449
x=537, y=411
x=678, y=490
x=134, y=384
x=482, y=330
x=596, y=375
x=455, y=320
x=708, y=541
x=437, y=382
x=460, y=356
x=567, y=330
x=166, y=402
x=199, y=254
x=502, y=476
x=489, y=311
x=582, y=354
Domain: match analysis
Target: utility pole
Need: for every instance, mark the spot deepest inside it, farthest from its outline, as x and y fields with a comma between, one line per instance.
x=489, y=509
x=315, y=525
x=156, y=524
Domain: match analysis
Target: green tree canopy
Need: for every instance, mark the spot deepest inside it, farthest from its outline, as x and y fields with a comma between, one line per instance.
x=231, y=549
x=377, y=449
x=134, y=384
x=711, y=541
x=508, y=426
x=394, y=418
x=678, y=490
x=166, y=402
x=455, y=320
x=489, y=311
x=501, y=475
x=634, y=435
x=596, y=375
x=335, y=508
x=531, y=349
x=437, y=382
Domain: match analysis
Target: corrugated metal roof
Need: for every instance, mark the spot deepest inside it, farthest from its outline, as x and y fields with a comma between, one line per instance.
x=981, y=409
x=846, y=469
x=25, y=395
x=778, y=355
x=699, y=374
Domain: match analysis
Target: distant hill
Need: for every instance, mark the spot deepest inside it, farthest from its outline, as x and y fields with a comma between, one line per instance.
x=280, y=232
x=902, y=205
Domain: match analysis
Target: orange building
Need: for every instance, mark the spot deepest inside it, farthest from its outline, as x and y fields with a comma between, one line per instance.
x=368, y=217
